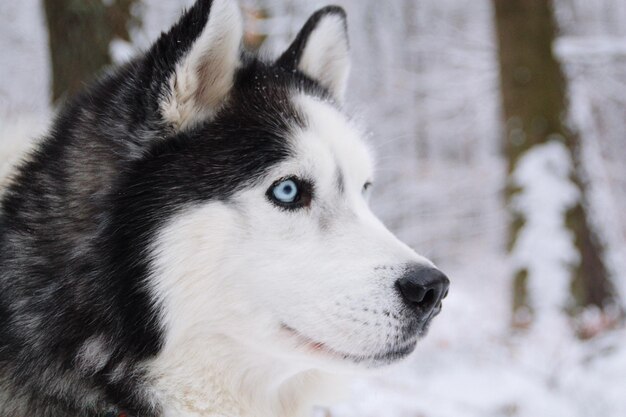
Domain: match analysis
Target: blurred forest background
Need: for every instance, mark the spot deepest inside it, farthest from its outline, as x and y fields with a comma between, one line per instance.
x=500, y=127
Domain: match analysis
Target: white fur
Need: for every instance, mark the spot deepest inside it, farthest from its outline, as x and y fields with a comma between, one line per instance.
x=229, y=276
x=204, y=77
x=326, y=56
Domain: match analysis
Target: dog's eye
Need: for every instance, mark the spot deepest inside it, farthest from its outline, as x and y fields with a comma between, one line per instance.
x=367, y=187
x=286, y=191
x=290, y=193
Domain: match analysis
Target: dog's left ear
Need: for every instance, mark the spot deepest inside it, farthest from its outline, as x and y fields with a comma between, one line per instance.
x=322, y=50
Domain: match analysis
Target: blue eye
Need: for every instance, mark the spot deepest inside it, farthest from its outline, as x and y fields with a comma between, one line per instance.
x=291, y=193
x=286, y=191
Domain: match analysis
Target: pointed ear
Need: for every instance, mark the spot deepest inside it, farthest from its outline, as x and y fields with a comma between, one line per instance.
x=321, y=50
x=198, y=58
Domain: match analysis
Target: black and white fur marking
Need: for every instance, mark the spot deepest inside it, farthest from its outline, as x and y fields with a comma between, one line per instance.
x=143, y=266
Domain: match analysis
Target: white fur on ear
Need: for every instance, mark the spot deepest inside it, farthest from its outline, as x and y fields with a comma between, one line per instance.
x=204, y=77
x=326, y=56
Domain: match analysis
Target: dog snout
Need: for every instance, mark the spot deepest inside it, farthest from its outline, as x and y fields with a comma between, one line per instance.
x=422, y=288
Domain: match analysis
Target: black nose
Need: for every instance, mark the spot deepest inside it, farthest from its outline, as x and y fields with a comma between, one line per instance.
x=423, y=288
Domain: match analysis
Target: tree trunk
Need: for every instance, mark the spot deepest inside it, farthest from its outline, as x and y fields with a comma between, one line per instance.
x=534, y=106
x=80, y=32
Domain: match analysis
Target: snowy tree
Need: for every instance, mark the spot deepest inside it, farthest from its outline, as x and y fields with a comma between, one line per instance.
x=551, y=238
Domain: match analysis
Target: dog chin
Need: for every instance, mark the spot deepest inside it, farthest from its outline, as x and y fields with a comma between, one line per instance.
x=325, y=353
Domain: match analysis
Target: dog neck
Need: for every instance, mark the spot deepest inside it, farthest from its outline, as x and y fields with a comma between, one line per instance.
x=227, y=380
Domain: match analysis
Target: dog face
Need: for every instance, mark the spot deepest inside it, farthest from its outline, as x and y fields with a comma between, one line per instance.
x=282, y=254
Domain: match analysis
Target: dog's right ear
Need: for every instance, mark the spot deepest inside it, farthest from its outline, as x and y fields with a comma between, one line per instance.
x=321, y=50
x=193, y=65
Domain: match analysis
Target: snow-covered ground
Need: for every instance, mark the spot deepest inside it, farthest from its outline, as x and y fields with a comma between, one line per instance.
x=425, y=82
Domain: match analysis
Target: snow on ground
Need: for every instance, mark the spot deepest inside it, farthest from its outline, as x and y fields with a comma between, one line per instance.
x=499, y=379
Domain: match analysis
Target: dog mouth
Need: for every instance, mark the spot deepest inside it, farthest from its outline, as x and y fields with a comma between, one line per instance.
x=311, y=346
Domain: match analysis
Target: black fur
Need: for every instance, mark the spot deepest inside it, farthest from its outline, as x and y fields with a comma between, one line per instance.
x=76, y=221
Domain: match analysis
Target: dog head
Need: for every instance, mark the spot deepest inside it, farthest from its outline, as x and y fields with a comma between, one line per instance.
x=254, y=199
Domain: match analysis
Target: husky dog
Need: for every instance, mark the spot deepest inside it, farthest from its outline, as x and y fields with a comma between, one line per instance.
x=193, y=238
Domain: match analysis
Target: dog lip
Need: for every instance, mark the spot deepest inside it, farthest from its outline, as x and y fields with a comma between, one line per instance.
x=322, y=348
x=310, y=343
